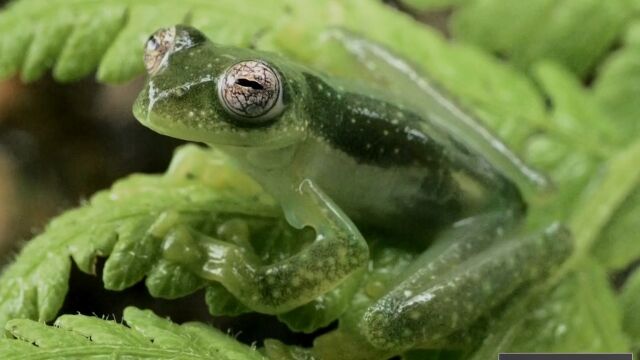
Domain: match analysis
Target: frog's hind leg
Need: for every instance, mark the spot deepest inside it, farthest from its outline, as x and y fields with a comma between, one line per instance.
x=465, y=274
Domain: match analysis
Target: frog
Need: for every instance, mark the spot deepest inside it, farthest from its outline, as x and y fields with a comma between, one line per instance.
x=343, y=159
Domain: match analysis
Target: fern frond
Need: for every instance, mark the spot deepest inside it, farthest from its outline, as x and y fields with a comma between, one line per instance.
x=77, y=36
x=145, y=336
x=118, y=223
x=515, y=31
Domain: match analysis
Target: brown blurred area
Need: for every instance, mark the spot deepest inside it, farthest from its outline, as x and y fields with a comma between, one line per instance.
x=61, y=143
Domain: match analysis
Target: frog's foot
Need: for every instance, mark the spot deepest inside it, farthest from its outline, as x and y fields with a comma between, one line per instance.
x=338, y=250
x=431, y=304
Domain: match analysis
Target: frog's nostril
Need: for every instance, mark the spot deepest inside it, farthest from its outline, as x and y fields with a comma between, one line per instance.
x=250, y=83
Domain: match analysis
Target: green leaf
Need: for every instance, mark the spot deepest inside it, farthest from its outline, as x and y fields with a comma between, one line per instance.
x=169, y=280
x=607, y=193
x=630, y=302
x=575, y=140
x=77, y=36
x=632, y=37
x=580, y=313
x=584, y=149
x=529, y=31
x=616, y=86
x=577, y=117
x=147, y=336
x=431, y=5
x=48, y=41
x=92, y=34
x=133, y=255
x=619, y=243
x=275, y=349
x=222, y=303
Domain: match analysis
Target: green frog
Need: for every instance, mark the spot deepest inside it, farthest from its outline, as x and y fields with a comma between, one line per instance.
x=341, y=158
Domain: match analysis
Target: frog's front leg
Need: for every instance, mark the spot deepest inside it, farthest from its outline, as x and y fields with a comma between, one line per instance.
x=338, y=250
x=432, y=303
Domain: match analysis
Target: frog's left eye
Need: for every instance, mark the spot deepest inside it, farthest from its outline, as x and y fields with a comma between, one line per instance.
x=252, y=92
x=167, y=41
x=158, y=48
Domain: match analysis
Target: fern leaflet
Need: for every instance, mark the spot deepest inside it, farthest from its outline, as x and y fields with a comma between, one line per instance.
x=145, y=336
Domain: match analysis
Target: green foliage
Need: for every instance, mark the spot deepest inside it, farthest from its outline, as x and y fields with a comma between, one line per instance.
x=586, y=138
x=119, y=224
x=630, y=309
x=567, y=318
x=77, y=37
x=615, y=88
x=527, y=32
x=145, y=336
x=618, y=246
x=568, y=150
x=430, y=5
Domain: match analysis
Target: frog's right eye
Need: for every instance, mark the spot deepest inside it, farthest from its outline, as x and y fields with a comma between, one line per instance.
x=158, y=48
x=251, y=91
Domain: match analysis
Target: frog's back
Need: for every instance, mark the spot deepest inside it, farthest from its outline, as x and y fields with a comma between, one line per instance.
x=390, y=166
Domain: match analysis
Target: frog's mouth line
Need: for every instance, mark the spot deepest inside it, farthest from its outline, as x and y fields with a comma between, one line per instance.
x=266, y=142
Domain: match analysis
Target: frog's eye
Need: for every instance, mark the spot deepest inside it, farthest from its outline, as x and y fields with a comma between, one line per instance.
x=167, y=41
x=252, y=92
x=158, y=48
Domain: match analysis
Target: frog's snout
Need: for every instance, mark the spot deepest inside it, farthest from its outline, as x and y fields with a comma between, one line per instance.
x=140, y=107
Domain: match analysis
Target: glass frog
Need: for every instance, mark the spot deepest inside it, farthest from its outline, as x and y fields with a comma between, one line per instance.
x=340, y=158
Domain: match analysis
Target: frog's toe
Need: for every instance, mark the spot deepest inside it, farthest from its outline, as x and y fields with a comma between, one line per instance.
x=381, y=326
x=390, y=325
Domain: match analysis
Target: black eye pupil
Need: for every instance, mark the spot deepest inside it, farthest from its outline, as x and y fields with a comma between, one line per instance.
x=152, y=44
x=250, y=84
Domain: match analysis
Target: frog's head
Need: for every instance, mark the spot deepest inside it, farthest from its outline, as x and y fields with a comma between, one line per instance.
x=200, y=91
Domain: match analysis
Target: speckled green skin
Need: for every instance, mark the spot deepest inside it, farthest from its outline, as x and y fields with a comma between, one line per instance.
x=339, y=154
